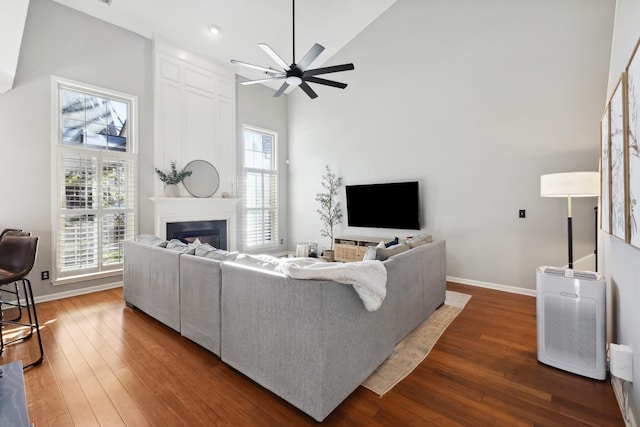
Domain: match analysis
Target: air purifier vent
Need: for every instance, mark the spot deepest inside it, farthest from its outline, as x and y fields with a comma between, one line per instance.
x=566, y=272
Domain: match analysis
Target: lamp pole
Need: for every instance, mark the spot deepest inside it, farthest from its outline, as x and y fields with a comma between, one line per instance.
x=570, y=232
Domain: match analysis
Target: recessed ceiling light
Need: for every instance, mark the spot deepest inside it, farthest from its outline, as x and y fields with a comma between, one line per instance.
x=214, y=29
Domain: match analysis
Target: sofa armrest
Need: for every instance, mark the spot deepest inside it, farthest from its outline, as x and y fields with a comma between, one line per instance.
x=311, y=342
x=416, y=285
x=151, y=281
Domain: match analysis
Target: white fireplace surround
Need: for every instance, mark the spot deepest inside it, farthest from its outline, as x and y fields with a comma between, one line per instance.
x=179, y=209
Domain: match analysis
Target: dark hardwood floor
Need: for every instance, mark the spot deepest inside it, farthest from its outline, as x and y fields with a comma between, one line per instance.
x=108, y=365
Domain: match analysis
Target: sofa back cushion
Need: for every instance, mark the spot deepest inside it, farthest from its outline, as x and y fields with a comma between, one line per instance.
x=419, y=240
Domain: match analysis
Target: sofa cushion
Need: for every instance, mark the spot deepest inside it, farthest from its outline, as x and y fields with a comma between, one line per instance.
x=151, y=240
x=178, y=246
x=383, y=254
x=419, y=240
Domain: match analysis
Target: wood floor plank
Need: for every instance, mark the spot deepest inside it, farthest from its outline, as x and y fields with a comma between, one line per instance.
x=107, y=364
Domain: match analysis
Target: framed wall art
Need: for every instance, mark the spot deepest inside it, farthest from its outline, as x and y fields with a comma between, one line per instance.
x=633, y=154
x=617, y=158
x=605, y=176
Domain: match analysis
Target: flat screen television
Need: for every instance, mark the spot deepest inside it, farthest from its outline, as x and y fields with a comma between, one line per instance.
x=388, y=205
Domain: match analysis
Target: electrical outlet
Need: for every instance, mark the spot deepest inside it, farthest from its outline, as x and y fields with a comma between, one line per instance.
x=522, y=213
x=44, y=275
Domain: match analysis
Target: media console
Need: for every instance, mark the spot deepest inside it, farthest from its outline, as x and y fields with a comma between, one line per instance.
x=353, y=248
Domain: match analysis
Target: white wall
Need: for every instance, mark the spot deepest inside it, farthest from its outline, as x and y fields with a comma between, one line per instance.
x=256, y=106
x=621, y=262
x=60, y=41
x=475, y=100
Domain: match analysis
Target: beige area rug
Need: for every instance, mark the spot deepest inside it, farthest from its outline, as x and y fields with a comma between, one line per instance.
x=415, y=347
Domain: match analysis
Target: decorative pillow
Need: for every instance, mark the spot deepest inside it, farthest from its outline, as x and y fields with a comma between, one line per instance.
x=204, y=249
x=383, y=254
x=370, y=254
x=195, y=243
x=178, y=246
x=151, y=240
x=391, y=243
x=419, y=240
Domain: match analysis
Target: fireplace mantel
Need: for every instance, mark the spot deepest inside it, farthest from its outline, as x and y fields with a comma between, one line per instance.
x=177, y=209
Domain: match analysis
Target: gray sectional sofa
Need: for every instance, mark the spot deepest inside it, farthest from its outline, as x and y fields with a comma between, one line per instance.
x=311, y=342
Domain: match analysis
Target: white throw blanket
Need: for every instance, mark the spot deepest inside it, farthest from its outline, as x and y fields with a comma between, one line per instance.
x=368, y=278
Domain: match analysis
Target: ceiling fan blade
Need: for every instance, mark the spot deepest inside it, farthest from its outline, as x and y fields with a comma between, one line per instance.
x=311, y=56
x=252, y=82
x=256, y=67
x=307, y=89
x=327, y=70
x=325, y=82
x=280, y=91
x=276, y=58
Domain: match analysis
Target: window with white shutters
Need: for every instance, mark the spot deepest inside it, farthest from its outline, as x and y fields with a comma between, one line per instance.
x=259, y=190
x=95, y=181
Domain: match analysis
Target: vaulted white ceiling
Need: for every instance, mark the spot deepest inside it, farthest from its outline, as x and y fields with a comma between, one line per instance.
x=243, y=24
x=13, y=14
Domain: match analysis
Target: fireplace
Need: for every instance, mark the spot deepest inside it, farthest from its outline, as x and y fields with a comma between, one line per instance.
x=204, y=218
x=211, y=232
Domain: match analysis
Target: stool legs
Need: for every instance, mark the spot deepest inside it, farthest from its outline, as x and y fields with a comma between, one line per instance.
x=30, y=308
x=17, y=304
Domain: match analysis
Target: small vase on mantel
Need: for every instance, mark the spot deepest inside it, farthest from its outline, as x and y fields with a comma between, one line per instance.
x=171, y=190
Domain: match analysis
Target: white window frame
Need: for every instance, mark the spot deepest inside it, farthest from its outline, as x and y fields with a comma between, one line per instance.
x=58, y=149
x=275, y=242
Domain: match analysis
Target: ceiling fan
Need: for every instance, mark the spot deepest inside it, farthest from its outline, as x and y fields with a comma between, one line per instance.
x=296, y=74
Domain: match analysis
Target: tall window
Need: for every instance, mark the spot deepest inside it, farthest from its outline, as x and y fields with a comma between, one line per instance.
x=95, y=181
x=259, y=189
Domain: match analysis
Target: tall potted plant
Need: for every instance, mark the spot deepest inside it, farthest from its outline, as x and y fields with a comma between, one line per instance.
x=330, y=210
x=172, y=179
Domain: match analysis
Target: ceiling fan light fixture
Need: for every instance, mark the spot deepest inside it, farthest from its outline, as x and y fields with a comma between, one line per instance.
x=297, y=74
x=293, y=81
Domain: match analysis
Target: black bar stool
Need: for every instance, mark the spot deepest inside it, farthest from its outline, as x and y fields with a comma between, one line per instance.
x=14, y=293
x=17, y=257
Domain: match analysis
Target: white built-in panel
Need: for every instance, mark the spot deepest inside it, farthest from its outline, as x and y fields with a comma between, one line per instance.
x=194, y=113
x=197, y=78
x=225, y=153
x=201, y=126
x=226, y=89
x=168, y=132
x=170, y=71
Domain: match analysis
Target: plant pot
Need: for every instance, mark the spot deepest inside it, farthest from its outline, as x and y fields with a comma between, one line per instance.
x=171, y=190
x=329, y=255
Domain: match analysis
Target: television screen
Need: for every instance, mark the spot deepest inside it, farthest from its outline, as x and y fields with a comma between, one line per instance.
x=390, y=205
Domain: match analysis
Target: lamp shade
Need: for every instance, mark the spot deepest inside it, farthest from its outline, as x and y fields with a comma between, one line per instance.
x=574, y=184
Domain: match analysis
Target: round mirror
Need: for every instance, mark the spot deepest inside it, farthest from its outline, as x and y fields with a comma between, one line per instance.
x=204, y=179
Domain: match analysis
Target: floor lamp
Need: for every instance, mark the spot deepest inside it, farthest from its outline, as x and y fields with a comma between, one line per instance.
x=570, y=184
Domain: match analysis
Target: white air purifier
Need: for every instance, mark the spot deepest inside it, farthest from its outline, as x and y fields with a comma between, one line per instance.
x=570, y=308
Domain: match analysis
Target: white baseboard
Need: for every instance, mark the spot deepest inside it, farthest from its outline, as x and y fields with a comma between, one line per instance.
x=616, y=383
x=81, y=291
x=495, y=286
